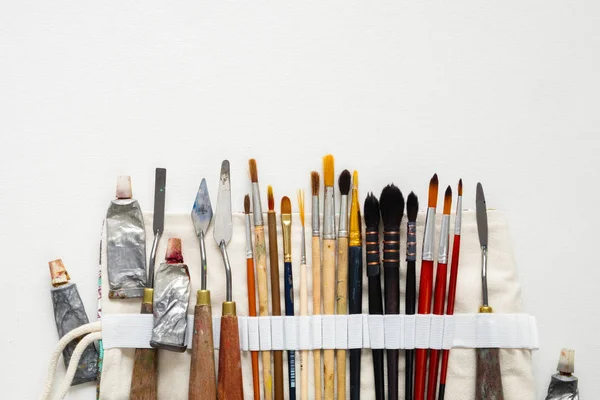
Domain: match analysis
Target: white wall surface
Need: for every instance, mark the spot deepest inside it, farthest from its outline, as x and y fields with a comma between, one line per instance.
x=505, y=92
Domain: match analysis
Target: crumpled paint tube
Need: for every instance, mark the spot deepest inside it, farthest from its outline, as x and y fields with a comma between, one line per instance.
x=126, y=244
x=69, y=314
x=171, y=299
x=563, y=385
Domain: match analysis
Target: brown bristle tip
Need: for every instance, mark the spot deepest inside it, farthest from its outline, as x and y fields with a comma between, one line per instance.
x=447, y=200
x=328, y=171
x=270, y=198
x=433, y=191
x=460, y=187
x=124, y=187
x=247, y=204
x=344, y=182
x=174, y=251
x=253, y=170
x=286, y=205
x=58, y=273
x=314, y=183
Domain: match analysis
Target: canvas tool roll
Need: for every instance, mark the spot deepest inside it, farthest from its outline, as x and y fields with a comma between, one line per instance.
x=124, y=329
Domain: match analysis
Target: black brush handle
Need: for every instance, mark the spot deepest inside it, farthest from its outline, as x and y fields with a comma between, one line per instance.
x=355, y=307
x=375, y=303
x=411, y=295
x=391, y=267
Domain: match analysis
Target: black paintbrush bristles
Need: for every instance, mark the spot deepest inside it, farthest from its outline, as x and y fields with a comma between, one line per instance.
x=412, y=207
x=392, y=207
x=372, y=215
x=344, y=182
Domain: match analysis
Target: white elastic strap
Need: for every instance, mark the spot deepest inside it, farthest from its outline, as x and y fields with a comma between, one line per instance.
x=277, y=333
x=60, y=346
x=355, y=331
x=436, y=336
x=74, y=363
x=341, y=331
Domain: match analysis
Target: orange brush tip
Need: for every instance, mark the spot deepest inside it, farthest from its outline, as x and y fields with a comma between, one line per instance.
x=433, y=191
x=301, y=205
x=355, y=180
x=447, y=200
x=253, y=170
x=328, y=170
x=460, y=187
x=270, y=198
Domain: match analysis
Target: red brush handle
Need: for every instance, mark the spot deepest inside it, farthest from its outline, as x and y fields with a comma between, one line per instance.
x=252, y=313
x=438, y=309
x=425, y=288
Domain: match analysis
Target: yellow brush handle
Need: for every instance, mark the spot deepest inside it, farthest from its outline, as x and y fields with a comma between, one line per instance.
x=303, y=353
x=260, y=255
x=316, y=286
x=329, y=309
x=341, y=308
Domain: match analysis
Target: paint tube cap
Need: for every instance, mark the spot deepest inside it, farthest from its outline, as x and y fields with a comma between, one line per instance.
x=566, y=361
x=174, y=255
x=124, y=187
x=58, y=273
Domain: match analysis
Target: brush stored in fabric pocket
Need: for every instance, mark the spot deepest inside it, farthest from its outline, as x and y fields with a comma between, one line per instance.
x=126, y=244
x=69, y=314
x=171, y=298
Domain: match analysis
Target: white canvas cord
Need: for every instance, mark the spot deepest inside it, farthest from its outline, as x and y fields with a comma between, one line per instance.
x=74, y=362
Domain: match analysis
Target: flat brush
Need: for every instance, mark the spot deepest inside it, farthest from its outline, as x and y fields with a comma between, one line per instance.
x=251, y=292
x=452, y=285
x=372, y=219
x=286, y=228
x=329, y=267
x=426, y=283
x=392, y=209
x=440, y=289
x=303, y=299
x=412, y=209
x=355, y=285
x=260, y=252
x=342, y=276
x=316, y=274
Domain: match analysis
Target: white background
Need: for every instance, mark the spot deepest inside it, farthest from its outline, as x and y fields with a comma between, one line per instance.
x=502, y=92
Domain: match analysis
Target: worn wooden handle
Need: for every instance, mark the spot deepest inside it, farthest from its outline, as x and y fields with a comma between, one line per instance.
x=316, y=287
x=341, y=308
x=263, y=302
x=489, y=380
x=144, y=381
x=203, y=385
x=329, y=309
x=231, y=385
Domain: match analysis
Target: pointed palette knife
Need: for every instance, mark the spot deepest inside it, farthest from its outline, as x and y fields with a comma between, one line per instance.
x=144, y=379
x=202, y=369
x=230, y=385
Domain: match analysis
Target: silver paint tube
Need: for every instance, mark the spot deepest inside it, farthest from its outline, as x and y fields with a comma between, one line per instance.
x=171, y=299
x=563, y=385
x=126, y=249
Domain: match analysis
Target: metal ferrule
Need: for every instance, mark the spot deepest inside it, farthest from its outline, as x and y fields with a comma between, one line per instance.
x=256, y=205
x=303, y=247
x=343, y=225
x=203, y=264
x=411, y=241
x=248, y=237
x=329, y=214
x=286, y=228
x=458, y=217
x=429, y=235
x=484, y=288
x=157, y=236
x=223, y=247
x=355, y=231
x=444, y=240
x=316, y=223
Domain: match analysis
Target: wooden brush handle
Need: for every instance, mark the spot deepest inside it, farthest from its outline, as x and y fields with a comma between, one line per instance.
x=410, y=302
x=341, y=308
x=289, y=311
x=329, y=309
x=231, y=386
x=316, y=286
x=391, y=276
x=252, y=313
x=144, y=381
x=355, y=307
x=438, y=309
x=203, y=384
x=303, y=353
x=425, y=289
x=375, y=302
x=263, y=301
x=275, y=300
x=488, y=385
x=434, y=364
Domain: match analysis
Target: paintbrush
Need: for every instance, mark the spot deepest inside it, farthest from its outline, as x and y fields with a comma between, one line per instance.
x=316, y=273
x=452, y=285
x=426, y=283
x=261, y=272
x=251, y=292
x=230, y=384
x=203, y=383
x=440, y=288
x=143, y=378
x=342, y=277
x=372, y=219
x=392, y=209
x=329, y=267
x=412, y=209
x=286, y=228
x=355, y=284
x=303, y=299
x=275, y=291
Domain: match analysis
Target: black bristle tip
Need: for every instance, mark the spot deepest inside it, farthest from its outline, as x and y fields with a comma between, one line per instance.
x=344, y=182
x=372, y=216
x=392, y=207
x=412, y=207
